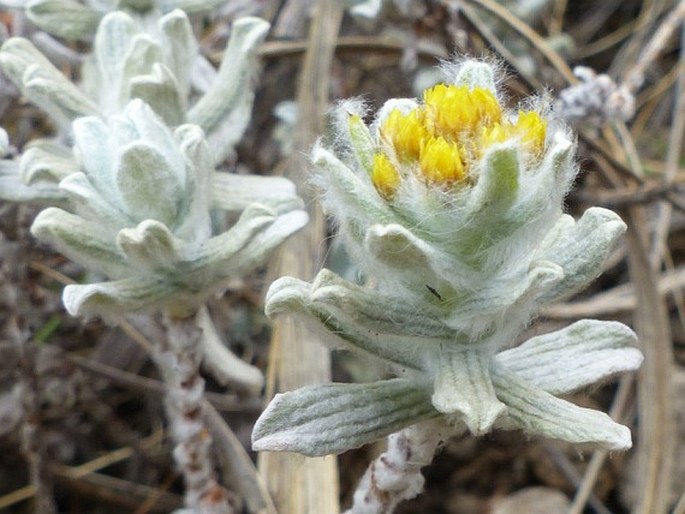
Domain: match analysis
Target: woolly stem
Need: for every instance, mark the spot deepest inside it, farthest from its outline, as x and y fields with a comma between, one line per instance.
x=179, y=359
x=395, y=475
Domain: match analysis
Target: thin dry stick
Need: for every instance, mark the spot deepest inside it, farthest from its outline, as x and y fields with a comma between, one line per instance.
x=614, y=301
x=309, y=486
x=531, y=35
x=673, y=153
x=584, y=492
x=497, y=44
x=557, y=22
x=655, y=451
x=635, y=77
x=84, y=469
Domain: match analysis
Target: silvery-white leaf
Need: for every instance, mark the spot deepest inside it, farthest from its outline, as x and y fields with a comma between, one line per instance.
x=581, y=248
x=574, y=357
x=91, y=204
x=140, y=123
x=60, y=99
x=64, y=18
x=463, y=387
x=13, y=188
x=356, y=331
x=197, y=157
x=331, y=418
x=365, y=8
x=112, y=43
x=82, y=241
x=4, y=143
x=223, y=112
x=220, y=361
x=40, y=163
x=149, y=247
x=111, y=299
x=539, y=413
x=244, y=247
x=149, y=187
x=92, y=148
x=233, y=193
x=142, y=54
x=179, y=48
x=160, y=91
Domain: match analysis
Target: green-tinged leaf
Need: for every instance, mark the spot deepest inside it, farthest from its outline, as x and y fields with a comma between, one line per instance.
x=463, y=387
x=357, y=331
x=149, y=187
x=380, y=311
x=581, y=248
x=233, y=193
x=138, y=5
x=414, y=260
x=356, y=193
x=543, y=189
x=539, y=413
x=224, y=110
x=498, y=182
x=190, y=6
x=41, y=164
x=87, y=243
x=179, y=48
x=325, y=419
x=150, y=247
x=160, y=91
x=140, y=123
x=92, y=204
x=112, y=299
x=474, y=74
x=64, y=18
x=361, y=141
x=515, y=295
x=582, y=354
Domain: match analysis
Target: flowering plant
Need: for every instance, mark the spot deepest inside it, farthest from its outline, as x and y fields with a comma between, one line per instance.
x=452, y=207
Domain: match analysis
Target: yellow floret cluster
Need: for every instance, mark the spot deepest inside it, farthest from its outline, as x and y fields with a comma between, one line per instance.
x=440, y=138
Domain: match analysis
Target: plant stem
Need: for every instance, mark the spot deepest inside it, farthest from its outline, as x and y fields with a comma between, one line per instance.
x=179, y=359
x=395, y=475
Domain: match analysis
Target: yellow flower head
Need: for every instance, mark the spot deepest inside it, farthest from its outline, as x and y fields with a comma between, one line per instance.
x=440, y=161
x=384, y=175
x=440, y=139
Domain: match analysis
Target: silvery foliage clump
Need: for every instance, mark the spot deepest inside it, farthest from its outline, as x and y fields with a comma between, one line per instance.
x=146, y=55
x=453, y=278
x=132, y=199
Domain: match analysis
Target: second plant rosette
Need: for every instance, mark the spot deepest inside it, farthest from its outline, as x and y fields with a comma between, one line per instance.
x=451, y=206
